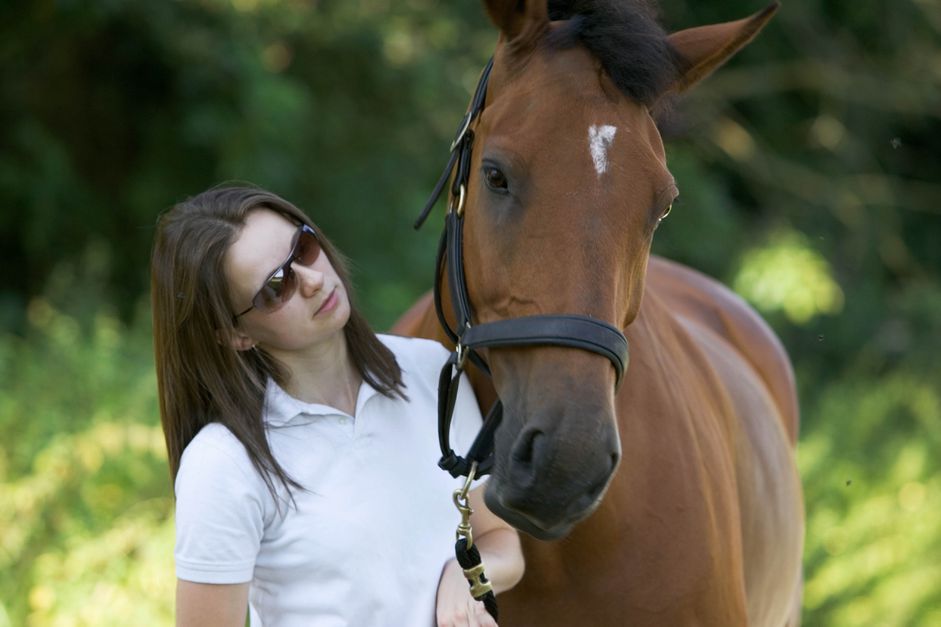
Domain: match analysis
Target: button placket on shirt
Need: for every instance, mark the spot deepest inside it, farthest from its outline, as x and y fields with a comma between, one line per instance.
x=366, y=396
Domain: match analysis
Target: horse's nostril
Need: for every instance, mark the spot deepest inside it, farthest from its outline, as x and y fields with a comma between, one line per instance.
x=528, y=446
x=526, y=454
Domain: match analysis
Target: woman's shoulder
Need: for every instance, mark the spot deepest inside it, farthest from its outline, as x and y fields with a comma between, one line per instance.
x=420, y=360
x=215, y=450
x=215, y=435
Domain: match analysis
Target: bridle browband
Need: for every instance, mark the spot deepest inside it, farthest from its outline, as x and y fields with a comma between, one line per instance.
x=569, y=330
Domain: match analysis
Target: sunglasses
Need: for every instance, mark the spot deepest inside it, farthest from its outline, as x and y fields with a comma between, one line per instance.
x=281, y=284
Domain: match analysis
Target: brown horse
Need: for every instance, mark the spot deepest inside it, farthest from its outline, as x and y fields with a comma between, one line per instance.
x=701, y=520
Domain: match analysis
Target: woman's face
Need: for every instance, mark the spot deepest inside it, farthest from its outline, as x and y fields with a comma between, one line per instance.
x=317, y=310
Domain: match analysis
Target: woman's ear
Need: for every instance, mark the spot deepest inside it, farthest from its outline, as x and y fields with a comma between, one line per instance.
x=235, y=338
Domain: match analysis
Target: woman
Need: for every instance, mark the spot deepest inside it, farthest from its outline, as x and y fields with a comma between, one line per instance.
x=302, y=445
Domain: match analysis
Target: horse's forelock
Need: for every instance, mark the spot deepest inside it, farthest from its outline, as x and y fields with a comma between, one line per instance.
x=625, y=37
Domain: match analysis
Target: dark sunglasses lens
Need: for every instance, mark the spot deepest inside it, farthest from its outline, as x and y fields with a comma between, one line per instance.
x=308, y=248
x=281, y=285
x=276, y=291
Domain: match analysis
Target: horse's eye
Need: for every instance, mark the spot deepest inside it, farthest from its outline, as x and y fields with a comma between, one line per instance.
x=665, y=213
x=495, y=179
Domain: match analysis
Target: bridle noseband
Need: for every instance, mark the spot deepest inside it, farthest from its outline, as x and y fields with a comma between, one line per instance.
x=569, y=330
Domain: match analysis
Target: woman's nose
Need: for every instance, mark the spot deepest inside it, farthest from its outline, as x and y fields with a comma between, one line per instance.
x=309, y=279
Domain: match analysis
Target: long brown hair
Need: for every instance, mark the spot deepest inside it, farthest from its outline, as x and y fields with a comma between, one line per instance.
x=202, y=380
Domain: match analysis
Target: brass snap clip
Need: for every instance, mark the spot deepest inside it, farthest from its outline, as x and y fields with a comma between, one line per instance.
x=463, y=506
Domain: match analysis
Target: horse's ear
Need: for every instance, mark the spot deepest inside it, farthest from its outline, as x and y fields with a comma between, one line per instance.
x=522, y=22
x=704, y=48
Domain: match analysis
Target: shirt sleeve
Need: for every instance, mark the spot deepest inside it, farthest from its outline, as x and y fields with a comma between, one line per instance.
x=219, y=511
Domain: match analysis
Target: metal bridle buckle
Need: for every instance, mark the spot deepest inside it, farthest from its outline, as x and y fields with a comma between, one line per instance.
x=459, y=208
x=461, y=351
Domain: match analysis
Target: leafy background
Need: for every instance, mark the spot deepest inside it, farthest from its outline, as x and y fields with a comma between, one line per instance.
x=809, y=173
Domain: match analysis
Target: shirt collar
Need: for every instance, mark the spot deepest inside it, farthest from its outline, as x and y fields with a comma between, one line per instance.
x=281, y=408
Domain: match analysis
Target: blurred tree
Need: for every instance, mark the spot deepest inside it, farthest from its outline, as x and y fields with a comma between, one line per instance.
x=115, y=110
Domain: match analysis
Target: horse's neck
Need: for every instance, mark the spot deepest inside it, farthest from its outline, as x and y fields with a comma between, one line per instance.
x=698, y=306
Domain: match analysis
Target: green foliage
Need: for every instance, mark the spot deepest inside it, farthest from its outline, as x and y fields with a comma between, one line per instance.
x=808, y=170
x=871, y=469
x=789, y=275
x=85, y=514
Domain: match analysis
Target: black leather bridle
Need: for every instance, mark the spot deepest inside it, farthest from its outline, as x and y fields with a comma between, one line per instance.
x=574, y=331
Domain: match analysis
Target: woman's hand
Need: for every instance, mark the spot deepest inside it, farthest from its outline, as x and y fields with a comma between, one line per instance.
x=456, y=606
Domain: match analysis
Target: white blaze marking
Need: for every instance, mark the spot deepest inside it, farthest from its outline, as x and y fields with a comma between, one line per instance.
x=599, y=140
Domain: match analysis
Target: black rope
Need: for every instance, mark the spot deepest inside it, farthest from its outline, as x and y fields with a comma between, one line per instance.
x=469, y=559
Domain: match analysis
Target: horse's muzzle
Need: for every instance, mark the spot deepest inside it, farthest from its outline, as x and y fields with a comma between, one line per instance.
x=554, y=473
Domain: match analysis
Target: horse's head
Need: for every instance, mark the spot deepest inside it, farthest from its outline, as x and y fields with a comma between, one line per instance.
x=568, y=181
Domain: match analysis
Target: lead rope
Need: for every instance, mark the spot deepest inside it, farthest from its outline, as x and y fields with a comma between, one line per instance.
x=468, y=556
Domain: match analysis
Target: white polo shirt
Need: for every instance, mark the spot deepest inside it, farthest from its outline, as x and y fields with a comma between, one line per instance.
x=368, y=537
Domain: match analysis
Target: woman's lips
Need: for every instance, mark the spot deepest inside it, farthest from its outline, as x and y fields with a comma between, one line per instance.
x=329, y=304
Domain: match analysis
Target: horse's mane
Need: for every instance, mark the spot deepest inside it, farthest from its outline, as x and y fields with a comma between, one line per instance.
x=625, y=37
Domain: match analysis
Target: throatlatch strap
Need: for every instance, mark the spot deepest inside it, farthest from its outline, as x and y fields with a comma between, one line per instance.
x=436, y=193
x=476, y=106
x=456, y=278
x=439, y=274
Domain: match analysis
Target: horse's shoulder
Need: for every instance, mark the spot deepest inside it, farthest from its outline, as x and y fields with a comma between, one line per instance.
x=410, y=323
x=708, y=302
